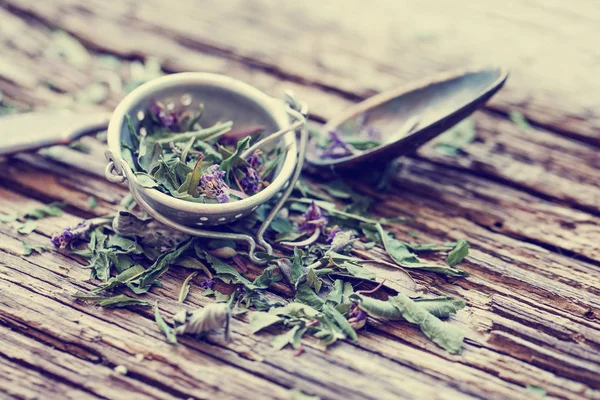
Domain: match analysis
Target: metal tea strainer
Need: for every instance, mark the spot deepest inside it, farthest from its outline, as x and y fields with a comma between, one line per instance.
x=224, y=99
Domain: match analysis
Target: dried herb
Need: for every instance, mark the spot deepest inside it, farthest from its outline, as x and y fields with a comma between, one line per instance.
x=297, y=394
x=453, y=140
x=163, y=327
x=185, y=287
x=458, y=253
x=402, y=307
x=49, y=210
x=171, y=152
x=400, y=253
x=537, y=390
x=519, y=119
x=262, y=320
x=92, y=203
x=118, y=301
x=26, y=227
x=199, y=322
x=30, y=248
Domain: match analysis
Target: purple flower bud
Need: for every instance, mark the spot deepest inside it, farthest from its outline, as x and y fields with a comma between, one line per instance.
x=337, y=147
x=70, y=235
x=250, y=180
x=312, y=219
x=212, y=184
x=254, y=160
x=206, y=283
x=332, y=232
x=166, y=118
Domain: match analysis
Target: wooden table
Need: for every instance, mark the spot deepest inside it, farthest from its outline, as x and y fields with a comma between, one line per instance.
x=527, y=199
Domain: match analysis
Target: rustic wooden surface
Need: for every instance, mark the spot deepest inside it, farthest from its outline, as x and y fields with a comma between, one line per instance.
x=528, y=200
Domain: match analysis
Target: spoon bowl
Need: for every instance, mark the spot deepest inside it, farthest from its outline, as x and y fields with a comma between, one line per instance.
x=402, y=119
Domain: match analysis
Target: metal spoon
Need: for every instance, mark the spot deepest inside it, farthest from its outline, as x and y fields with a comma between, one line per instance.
x=408, y=117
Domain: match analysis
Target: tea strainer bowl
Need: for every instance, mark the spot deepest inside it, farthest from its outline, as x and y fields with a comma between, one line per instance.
x=224, y=99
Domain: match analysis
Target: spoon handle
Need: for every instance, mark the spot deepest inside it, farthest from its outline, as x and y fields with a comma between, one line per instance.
x=35, y=130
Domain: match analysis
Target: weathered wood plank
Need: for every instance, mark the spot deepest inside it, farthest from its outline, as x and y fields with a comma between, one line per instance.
x=474, y=282
x=534, y=160
x=316, y=45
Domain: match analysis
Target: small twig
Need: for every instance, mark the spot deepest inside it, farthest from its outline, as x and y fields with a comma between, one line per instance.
x=372, y=290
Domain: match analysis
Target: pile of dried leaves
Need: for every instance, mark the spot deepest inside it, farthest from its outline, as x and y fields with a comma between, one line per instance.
x=317, y=237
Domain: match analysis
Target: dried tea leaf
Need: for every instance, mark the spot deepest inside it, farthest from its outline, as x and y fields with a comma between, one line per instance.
x=29, y=248
x=27, y=227
x=305, y=294
x=261, y=320
x=537, y=390
x=92, y=202
x=458, y=253
x=163, y=326
x=212, y=316
x=341, y=321
x=111, y=302
x=145, y=180
x=185, y=288
x=49, y=210
x=444, y=335
x=280, y=341
x=519, y=119
x=400, y=253
x=143, y=283
x=4, y=218
x=453, y=140
x=297, y=394
x=400, y=307
x=313, y=280
x=441, y=307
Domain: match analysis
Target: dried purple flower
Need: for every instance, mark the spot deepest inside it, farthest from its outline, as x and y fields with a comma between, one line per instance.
x=331, y=235
x=70, y=235
x=206, y=283
x=213, y=185
x=312, y=219
x=166, y=118
x=254, y=160
x=313, y=222
x=337, y=147
x=250, y=181
x=357, y=317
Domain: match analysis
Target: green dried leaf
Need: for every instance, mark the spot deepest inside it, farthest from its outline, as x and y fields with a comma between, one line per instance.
x=335, y=295
x=92, y=203
x=298, y=395
x=4, y=218
x=163, y=327
x=458, y=253
x=358, y=270
x=230, y=161
x=297, y=266
x=519, y=119
x=121, y=279
x=193, y=263
x=27, y=227
x=453, y=140
x=306, y=295
x=444, y=335
x=313, y=280
x=262, y=320
x=185, y=288
x=49, y=210
x=341, y=321
x=111, y=302
x=224, y=271
x=441, y=307
x=537, y=390
x=400, y=253
x=280, y=341
x=29, y=248
x=145, y=180
x=143, y=283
